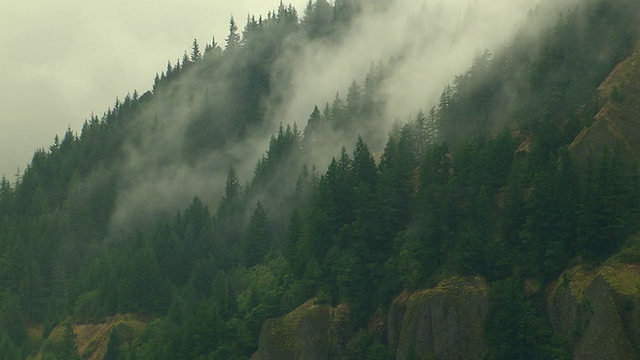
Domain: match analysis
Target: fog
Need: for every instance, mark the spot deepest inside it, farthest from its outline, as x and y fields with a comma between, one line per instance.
x=73, y=58
x=429, y=42
x=63, y=60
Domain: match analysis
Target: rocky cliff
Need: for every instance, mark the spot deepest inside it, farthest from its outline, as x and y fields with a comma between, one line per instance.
x=597, y=311
x=309, y=332
x=445, y=322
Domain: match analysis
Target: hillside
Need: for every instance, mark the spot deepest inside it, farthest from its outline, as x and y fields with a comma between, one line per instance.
x=616, y=124
x=189, y=222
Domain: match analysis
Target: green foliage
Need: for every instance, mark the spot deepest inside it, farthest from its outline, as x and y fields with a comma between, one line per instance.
x=550, y=82
x=515, y=329
x=257, y=238
x=362, y=346
x=491, y=202
x=608, y=211
x=12, y=322
x=113, y=346
x=68, y=349
x=88, y=307
x=8, y=348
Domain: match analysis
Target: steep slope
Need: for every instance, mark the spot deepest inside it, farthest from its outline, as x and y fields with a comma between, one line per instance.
x=594, y=308
x=618, y=121
x=93, y=339
x=309, y=332
x=598, y=310
x=446, y=321
x=474, y=214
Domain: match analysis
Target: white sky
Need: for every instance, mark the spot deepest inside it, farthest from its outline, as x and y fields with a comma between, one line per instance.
x=62, y=60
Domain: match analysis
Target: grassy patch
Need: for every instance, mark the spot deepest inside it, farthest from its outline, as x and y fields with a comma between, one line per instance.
x=624, y=278
x=93, y=338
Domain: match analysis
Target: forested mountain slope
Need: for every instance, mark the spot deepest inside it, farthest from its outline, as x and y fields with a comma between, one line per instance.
x=490, y=200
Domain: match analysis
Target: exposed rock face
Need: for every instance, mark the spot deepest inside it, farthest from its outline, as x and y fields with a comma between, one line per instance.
x=310, y=332
x=597, y=311
x=396, y=318
x=446, y=322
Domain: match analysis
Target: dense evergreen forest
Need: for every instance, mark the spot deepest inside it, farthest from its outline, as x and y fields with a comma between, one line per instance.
x=484, y=183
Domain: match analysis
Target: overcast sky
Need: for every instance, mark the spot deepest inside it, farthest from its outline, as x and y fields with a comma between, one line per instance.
x=62, y=60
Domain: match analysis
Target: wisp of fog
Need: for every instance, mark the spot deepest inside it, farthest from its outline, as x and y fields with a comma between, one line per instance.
x=427, y=42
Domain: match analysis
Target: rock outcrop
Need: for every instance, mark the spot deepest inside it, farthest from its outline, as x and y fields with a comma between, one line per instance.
x=446, y=322
x=310, y=332
x=597, y=311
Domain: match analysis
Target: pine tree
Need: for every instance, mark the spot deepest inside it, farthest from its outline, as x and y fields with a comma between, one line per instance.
x=363, y=164
x=195, y=51
x=354, y=101
x=113, y=346
x=12, y=320
x=8, y=349
x=169, y=71
x=156, y=83
x=250, y=28
x=69, y=347
x=313, y=125
x=337, y=118
x=234, y=38
x=211, y=50
x=257, y=238
x=186, y=60
x=229, y=219
x=59, y=288
x=232, y=188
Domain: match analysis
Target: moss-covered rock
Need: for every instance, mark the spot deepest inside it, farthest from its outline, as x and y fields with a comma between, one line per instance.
x=597, y=311
x=309, y=332
x=446, y=322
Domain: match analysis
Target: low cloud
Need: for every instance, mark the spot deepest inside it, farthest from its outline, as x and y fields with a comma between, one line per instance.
x=425, y=43
x=64, y=60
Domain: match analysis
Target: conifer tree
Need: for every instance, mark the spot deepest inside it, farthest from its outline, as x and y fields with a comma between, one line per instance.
x=313, y=125
x=69, y=347
x=113, y=346
x=232, y=188
x=354, y=100
x=186, y=60
x=229, y=219
x=169, y=71
x=363, y=164
x=234, y=38
x=195, y=51
x=257, y=237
